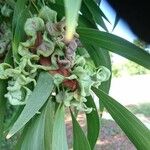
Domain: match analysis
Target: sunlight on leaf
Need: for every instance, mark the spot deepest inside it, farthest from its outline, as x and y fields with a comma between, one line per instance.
x=35, y=101
x=59, y=139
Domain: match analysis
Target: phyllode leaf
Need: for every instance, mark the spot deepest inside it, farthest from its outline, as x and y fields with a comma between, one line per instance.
x=35, y=101
x=96, y=13
x=93, y=123
x=2, y=106
x=80, y=141
x=3, y=91
x=21, y=13
x=36, y=135
x=132, y=126
x=115, y=44
x=59, y=139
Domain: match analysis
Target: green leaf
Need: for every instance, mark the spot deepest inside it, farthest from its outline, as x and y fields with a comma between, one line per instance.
x=80, y=141
x=19, y=33
x=97, y=13
x=3, y=100
x=13, y=119
x=83, y=22
x=59, y=9
x=36, y=134
x=72, y=8
x=49, y=121
x=87, y=14
x=116, y=21
x=35, y=101
x=98, y=2
x=132, y=126
x=59, y=2
x=3, y=91
x=19, y=7
x=93, y=123
x=115, y=44
x=21, y=13
x=34, y=138
x=59, y=141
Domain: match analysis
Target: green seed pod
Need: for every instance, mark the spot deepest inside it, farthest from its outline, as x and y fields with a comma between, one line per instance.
x=64, y=97
x=103, y=74
x=6, y=11
x=46, y=48
x=48, y=15
x=33, y=25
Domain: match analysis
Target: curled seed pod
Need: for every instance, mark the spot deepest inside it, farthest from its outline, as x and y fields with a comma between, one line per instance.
x=46, y=48
x=68, y=61
x=2, y=48
x=37, y=43
x=65, y=97
x=70, y=51
x=17, y=94
x=47, y=14
x=52, y=29
x=101, y=75
x=5, y=38
x=65, y=63
x=45, y=61
x=55, y=29
x=71, y=84
x=6, y=11
x=33, y=25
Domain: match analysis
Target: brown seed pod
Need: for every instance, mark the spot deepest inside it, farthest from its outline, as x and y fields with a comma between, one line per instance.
x=37, y=43
x=71, y=84
x=45, y=61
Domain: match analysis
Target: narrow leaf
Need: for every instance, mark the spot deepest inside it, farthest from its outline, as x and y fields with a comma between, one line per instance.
x=49, y=121
x=116, y=21
x=35, y=101
x=86, y=12
x=34, y=138
x=72, y=8
x=93, y=123
x=19, y=7
x=96, y=13
x=80, y=141
x=3, y=90
x=19, y=33
x=132, y=126
x=35, y=133
x=84, y=22
x=115, y=44
x=59, y=141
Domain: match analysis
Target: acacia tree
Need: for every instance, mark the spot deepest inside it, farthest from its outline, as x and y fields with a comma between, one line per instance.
x=54, y=58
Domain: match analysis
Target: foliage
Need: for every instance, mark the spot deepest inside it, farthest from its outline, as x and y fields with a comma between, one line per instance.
x=128, y=68
x=53, y=59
